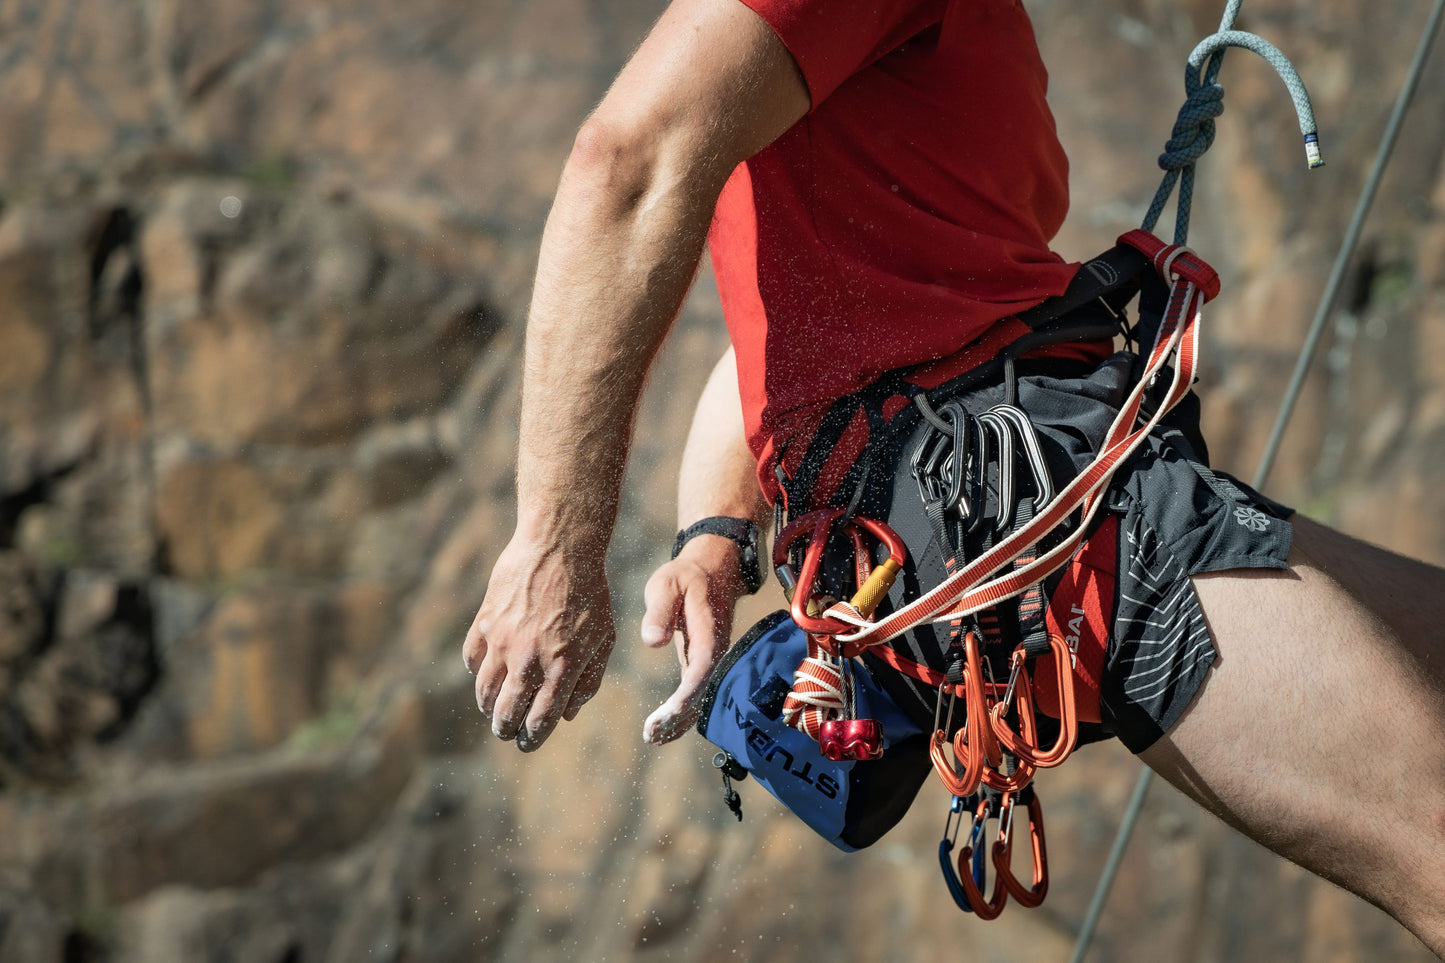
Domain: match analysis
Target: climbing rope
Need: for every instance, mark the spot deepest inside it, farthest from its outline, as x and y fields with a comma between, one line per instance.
x=1302, y=365
x=1193, y=131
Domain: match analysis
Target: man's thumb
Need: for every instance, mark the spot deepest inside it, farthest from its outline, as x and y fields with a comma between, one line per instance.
x=664, y=603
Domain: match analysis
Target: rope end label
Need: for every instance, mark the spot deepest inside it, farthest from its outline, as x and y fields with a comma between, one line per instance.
x=1312, y=151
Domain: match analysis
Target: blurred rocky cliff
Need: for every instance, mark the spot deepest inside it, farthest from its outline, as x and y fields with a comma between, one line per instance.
x=263, y=272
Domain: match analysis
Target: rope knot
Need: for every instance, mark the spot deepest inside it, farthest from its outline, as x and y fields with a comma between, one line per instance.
x=1193, y=131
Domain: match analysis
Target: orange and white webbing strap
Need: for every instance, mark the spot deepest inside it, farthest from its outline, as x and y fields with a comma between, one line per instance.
x=971, y=589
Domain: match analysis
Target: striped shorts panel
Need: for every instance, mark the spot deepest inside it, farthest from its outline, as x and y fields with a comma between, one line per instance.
x=1177, y=518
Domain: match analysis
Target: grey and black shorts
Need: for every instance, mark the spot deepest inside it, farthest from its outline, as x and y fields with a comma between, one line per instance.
x=1175, y=518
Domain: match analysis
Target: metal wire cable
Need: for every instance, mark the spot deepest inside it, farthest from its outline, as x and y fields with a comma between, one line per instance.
x=1286, y=409
x=1347, y=246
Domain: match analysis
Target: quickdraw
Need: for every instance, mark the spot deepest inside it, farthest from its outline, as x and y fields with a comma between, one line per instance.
x=1034, y=894
x=978, y=870
x=989, y=908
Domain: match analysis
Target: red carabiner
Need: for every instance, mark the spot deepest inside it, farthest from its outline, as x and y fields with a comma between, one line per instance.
x=1003, y=855
x=1068, y=716
x=873, y=582
x=819, y=523
x=983, y=909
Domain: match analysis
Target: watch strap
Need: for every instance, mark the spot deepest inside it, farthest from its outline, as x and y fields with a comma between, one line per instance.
x=740, y=530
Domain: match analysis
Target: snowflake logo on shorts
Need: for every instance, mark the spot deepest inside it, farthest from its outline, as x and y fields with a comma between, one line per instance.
x=1251, y=518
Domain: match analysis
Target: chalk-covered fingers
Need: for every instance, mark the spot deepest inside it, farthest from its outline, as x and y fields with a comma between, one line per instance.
x=692, y=599
x=545, y=624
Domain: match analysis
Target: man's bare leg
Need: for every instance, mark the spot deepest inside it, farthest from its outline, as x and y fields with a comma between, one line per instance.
x=1321, y=729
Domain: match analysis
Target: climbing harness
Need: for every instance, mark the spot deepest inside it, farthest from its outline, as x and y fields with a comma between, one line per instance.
x=985, y=485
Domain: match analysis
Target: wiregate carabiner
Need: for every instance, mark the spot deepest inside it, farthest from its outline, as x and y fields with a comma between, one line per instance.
x=977, y=702
x=947, y=464
x=972, y=888
x=992, y=422
x=945, y=851
x=1063, y=676
x=1003, y=853
x=1033, y=453
x=974, y=743
x=957, y=783
x=1025, y=769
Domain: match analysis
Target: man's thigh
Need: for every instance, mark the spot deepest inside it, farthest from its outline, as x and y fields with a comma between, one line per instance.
x=1318, y=731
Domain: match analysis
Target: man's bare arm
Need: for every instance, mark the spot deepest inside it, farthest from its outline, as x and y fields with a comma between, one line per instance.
x=709, y=87
x=690, y=599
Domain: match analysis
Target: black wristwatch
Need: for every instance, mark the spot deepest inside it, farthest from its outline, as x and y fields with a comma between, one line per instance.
x=740, y=530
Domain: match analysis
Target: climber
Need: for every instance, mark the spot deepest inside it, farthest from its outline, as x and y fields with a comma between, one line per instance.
x=901, y=184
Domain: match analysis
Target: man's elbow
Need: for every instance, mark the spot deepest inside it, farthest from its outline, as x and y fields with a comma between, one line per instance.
x=630, y=158
x=620, y=159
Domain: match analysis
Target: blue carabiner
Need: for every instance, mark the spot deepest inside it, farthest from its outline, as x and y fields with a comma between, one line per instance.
x=945, y=852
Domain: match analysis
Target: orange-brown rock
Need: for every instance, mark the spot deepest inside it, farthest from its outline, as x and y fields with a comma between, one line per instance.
x=263, y=273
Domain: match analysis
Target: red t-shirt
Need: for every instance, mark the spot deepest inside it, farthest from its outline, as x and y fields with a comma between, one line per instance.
x=908, y=212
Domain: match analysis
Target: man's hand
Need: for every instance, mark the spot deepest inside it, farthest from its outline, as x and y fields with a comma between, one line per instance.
x=711, y=86
x=690, y=600
x=541, y=639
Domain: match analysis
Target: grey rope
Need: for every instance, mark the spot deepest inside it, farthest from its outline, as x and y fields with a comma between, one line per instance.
x=1286, y=409
x=1193, y=131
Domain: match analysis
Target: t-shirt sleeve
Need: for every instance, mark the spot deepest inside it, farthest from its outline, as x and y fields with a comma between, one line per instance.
x=831, y=40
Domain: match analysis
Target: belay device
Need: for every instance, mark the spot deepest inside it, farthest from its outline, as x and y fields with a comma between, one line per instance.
x=792, y=705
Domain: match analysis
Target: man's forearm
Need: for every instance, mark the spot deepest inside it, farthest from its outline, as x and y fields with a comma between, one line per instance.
x=711, y=86
x=719, y=474
x=620, y=249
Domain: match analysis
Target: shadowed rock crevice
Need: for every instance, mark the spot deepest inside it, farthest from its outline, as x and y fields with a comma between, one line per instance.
x=13, y=504
x=78, y=657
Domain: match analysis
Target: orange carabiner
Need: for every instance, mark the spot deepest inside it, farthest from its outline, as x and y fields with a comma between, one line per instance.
x=958, y=783
x=1024, y=742
x=963, y=783
x=983, y=909
x=1028, y=730
x=1025, y=748
x=974, y=742
x=979, y=729
x=1003, y=854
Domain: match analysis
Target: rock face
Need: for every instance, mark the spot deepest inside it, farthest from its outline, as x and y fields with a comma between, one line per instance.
x=263, y=274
